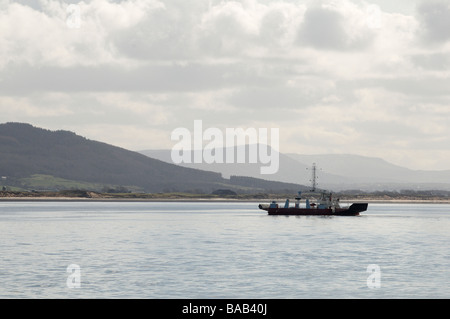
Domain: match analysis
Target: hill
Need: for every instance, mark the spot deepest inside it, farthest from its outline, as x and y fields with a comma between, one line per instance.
x=36, y=158
x=374, y=174
x=337, y=172
x=290, y=170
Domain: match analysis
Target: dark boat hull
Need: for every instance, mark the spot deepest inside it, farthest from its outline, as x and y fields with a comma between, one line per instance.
x=353, y=210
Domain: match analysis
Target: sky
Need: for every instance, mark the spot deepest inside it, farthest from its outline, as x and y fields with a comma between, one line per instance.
x=369, y=78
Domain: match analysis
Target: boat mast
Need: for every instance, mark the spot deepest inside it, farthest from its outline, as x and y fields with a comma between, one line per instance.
x=313, y=178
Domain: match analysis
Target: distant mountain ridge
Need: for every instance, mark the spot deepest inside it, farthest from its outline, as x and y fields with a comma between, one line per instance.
x=362, y=171
x=335, y=172
x=26, y=150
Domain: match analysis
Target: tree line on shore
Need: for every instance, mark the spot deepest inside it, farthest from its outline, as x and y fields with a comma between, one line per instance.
x=345, y=195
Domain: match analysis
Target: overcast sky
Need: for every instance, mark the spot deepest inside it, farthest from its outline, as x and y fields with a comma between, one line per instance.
x=345, y=76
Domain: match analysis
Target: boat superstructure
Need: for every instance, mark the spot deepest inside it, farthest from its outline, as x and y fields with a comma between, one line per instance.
x=316, y=203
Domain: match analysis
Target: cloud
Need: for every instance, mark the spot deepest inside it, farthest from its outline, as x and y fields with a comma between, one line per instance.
x=150, y=78
x=323, y=29
x=434, y=61
x=24, y=107
x=336, y=28
x=133, y=33
x=165, y=32
x=434, y=17
x=42, y=38
x=279, y=25
x=331, y=74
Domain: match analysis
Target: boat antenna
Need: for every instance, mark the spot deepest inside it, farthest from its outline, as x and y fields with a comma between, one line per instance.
x=314, y=177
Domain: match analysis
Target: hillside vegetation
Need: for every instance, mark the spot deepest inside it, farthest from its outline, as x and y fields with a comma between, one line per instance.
x=39, y=159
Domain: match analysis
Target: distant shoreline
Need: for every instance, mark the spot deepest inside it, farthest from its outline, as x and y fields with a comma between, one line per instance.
x=210, y=200
x=83, y=196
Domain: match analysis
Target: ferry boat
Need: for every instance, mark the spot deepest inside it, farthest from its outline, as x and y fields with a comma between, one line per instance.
x=317, y=203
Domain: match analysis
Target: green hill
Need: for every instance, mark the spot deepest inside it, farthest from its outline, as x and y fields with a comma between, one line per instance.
x=36, y=158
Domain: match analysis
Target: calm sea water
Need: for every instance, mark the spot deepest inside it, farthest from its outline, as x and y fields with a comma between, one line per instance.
x=221, y=250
